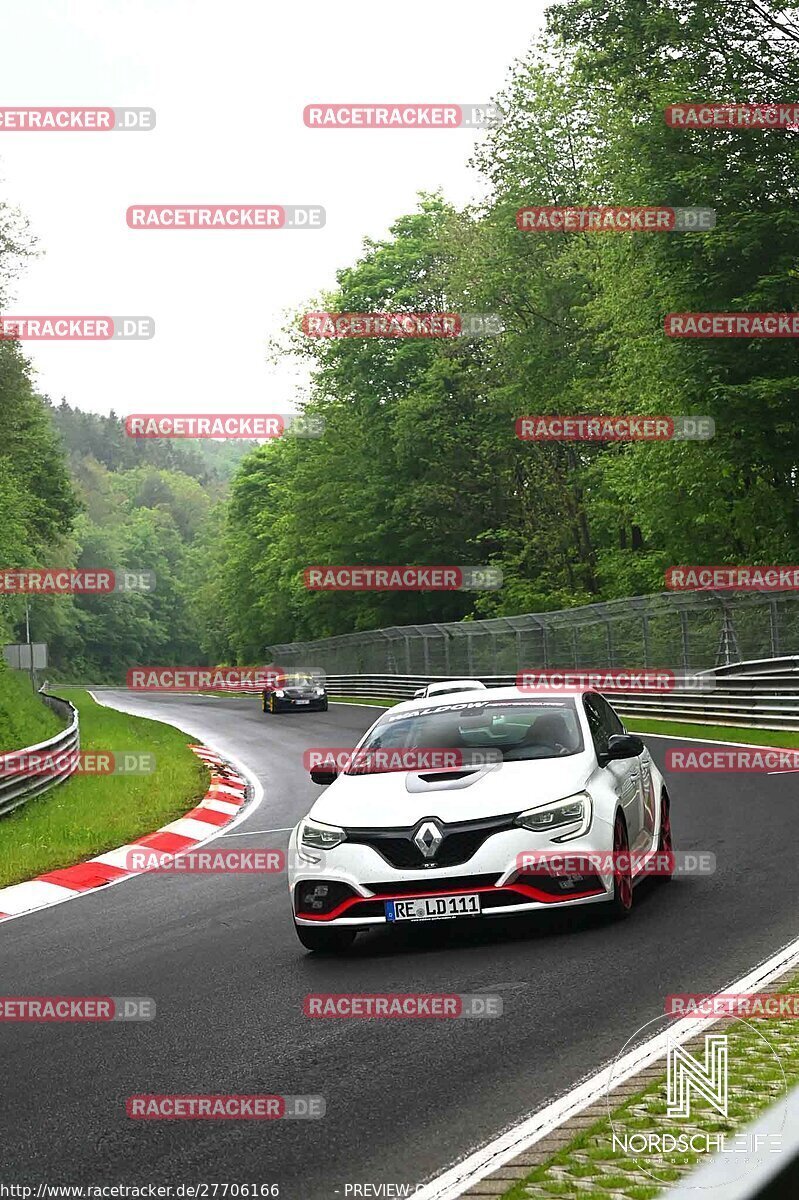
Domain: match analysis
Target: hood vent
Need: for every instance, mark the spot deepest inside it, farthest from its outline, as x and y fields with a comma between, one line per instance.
x=432, y=781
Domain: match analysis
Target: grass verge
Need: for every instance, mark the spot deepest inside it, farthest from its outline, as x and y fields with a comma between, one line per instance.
x=714, y=733
x=24, y=719
x=93, y=813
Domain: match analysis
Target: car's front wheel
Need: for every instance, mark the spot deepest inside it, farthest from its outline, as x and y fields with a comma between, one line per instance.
x=325, y=941
x=622, y=901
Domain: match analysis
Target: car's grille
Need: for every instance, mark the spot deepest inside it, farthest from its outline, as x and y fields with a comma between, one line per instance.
x=459, y=842
x=455, y=883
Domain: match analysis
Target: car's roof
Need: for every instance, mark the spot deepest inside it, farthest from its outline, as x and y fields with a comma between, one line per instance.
x=490, y=694
x=464, y=684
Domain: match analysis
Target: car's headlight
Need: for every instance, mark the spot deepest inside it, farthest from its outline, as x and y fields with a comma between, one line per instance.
x=280, y=692
x=317, y=836
x=320, y=691
x=574, y=813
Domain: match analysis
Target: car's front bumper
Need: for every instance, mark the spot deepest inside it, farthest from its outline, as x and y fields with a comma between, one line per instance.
x=359, y=880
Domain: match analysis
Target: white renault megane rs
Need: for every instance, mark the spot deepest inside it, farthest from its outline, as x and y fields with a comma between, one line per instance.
x=479, y=805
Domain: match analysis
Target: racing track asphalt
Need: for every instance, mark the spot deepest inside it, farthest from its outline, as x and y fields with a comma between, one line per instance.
x=404, y=1098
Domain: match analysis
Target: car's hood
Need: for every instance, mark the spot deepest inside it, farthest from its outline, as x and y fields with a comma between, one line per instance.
x=401, y=798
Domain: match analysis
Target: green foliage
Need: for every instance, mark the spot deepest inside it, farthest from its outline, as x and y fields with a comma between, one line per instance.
x=419, y=462
x=92, y=813
x=24, y=719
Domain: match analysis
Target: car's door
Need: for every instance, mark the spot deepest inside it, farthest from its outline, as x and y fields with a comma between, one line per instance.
x=625, y=773
x=644, y=769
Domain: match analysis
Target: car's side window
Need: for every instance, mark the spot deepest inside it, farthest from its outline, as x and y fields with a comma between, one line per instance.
x=599, y=734
x=610, y=721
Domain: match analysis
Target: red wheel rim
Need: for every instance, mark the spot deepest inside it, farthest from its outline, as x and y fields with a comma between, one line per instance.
x=623, y=878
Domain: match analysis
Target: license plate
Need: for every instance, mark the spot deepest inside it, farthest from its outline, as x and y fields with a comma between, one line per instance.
x=433, y=908
x=302, y=702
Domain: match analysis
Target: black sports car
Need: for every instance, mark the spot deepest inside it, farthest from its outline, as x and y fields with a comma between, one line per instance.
x=295, y=691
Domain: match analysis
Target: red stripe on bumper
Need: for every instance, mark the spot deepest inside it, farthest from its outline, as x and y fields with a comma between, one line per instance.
x=523, y=890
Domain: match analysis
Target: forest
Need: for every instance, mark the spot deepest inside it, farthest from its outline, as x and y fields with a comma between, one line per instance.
x=420, y=462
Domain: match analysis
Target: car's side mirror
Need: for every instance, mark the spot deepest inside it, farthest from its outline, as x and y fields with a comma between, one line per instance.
x=622, y=745
x=324, y=774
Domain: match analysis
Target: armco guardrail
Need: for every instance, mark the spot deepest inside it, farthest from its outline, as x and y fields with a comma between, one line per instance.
x=24, y=785
x=759, y=701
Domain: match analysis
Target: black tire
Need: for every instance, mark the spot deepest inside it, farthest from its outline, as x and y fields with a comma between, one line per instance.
x=622, y=901
x=665, y=843
x=264, y=706
x=323, y=707
x=325, y=941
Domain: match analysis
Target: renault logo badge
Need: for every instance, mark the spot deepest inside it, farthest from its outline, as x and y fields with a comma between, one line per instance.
x=427, y=839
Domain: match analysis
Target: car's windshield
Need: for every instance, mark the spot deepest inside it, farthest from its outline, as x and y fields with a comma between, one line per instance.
x=512, y=730
x=299, y=681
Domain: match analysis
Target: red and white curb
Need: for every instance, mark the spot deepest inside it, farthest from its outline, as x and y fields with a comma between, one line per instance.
x=221, y=805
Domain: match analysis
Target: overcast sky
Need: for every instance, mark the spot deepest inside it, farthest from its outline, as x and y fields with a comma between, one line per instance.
x=229, y=82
